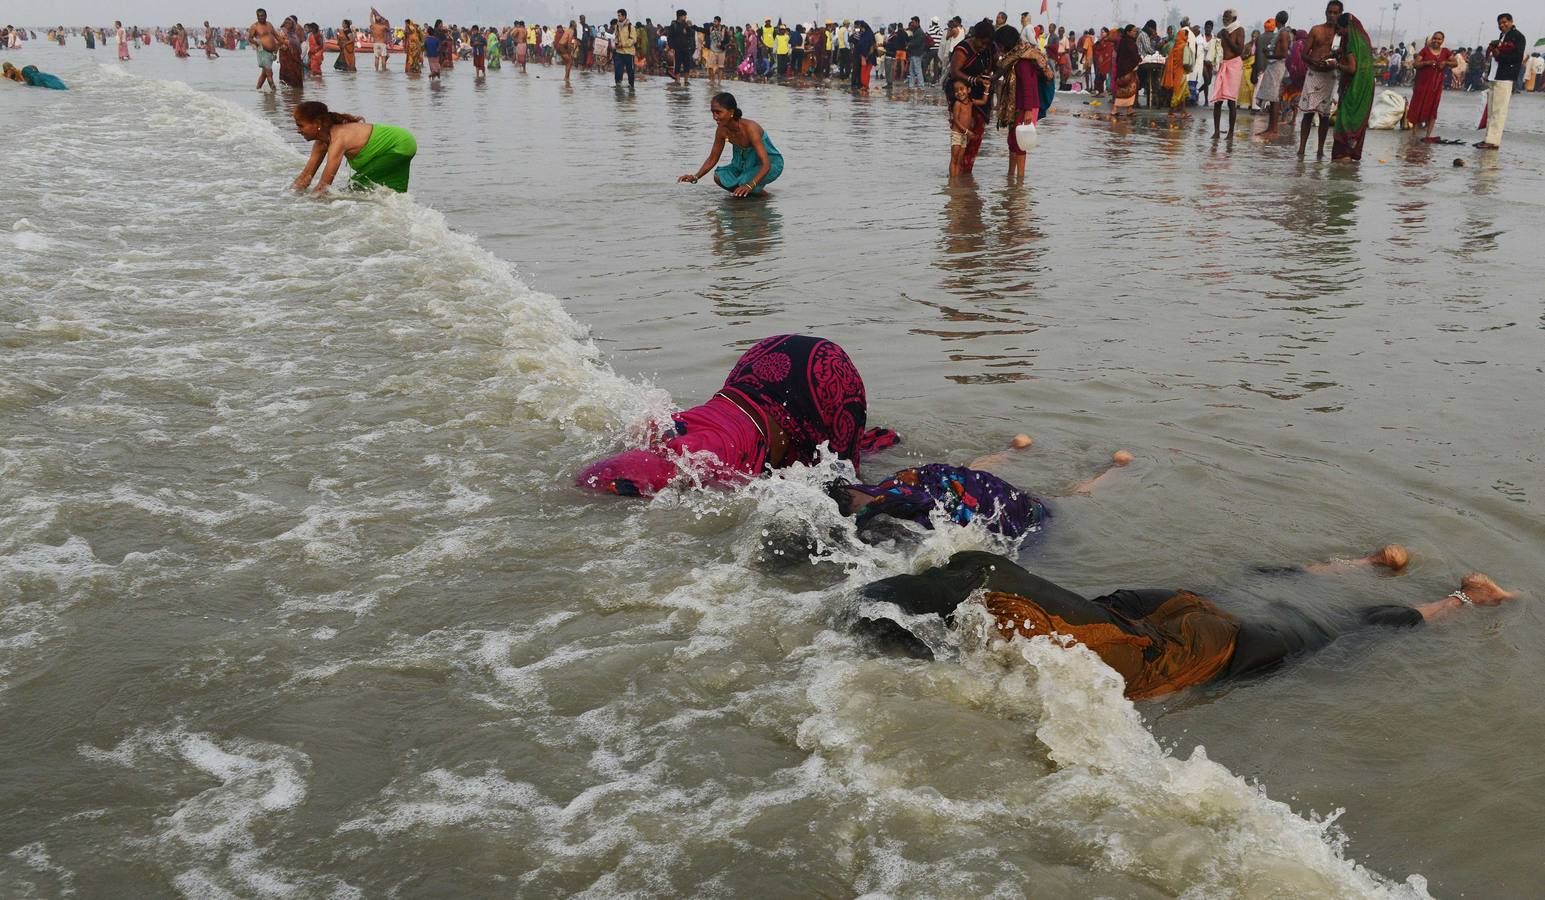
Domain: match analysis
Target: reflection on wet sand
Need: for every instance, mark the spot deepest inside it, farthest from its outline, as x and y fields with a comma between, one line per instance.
x=741, y=232
x=989, y=259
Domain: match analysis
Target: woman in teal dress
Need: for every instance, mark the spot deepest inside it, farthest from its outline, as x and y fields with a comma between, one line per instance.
x=755, y=164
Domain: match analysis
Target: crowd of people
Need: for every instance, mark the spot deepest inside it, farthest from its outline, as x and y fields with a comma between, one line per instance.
x=1324, y=76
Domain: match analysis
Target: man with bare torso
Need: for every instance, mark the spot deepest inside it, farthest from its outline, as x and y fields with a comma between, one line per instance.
x=518, y=37
x=1319, y=93
x=381, y=39
x=1230, y=72
x=265, y=41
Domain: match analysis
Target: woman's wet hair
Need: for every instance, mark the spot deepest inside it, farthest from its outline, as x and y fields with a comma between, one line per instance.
x=982, y=30
x=1007, y=37
x=317, y=111
x=726, y=100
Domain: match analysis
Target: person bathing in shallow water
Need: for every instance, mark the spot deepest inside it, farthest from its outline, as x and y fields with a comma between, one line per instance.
x=1158, y=640
x=378, y=154
x=963, y=493
x=755, y=162
x=963, y=112
x=784, y=398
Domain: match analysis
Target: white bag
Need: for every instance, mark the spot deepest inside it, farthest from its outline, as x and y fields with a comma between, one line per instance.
x=1024, y=135
x=1388, y=113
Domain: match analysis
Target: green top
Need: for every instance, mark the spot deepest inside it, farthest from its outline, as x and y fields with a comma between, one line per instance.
x=385, y=158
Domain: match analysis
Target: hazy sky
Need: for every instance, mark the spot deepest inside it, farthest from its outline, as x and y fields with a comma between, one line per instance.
x=1463, y=20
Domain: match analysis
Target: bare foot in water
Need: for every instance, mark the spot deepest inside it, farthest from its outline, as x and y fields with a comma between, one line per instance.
x=1393, y=557
x=1482, y=591
x=1475, y=589
x=1118, y=460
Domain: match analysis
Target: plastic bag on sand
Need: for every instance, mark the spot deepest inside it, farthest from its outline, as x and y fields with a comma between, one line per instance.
x=1389, y=111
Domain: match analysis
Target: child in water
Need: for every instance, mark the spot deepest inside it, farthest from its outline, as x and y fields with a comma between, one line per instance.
x=432, y=53
x=961, y=123
x=479, y=52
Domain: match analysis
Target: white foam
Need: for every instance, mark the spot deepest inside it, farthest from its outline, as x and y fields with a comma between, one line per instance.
x=209, y=838
x=35, y=856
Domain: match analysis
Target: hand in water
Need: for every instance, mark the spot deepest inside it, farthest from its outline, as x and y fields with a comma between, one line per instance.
x=691, y=178
x=742, y=191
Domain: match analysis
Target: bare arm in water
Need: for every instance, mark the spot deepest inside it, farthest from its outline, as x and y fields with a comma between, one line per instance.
x=313, y=162
x=1118, y=460
x=713, y=157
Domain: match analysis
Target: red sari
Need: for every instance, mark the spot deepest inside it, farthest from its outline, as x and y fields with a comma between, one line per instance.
x=314, y=52
x=1429, y=87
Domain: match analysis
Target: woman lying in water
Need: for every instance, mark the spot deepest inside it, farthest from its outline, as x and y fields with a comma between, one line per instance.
x=1158, y=640
x=784, y=398
x=963, y=493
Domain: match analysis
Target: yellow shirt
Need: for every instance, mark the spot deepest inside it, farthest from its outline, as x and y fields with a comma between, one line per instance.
x=767, y=35
x=627, y=38
x=781, y=44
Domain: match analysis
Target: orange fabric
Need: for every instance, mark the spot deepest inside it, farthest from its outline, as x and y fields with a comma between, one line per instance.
x=1185, y=642
x=1175, y=66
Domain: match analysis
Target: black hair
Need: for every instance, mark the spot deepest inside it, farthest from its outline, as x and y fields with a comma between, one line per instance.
x=1337, y=4
x=726, y=100
x=982, y=30
x=1007, y=38
x=1282, y=18
x=1344, y=20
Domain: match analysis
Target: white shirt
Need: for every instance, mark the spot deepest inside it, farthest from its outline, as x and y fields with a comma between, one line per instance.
x=951, y=42
x=1206, y=49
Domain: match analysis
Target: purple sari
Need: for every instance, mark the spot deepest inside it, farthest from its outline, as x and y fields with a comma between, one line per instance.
x=963, y=494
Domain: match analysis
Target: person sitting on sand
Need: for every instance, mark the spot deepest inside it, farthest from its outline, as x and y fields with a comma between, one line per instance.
x=1159, y=640
x=784, y=399
x=963, y=493
x=755, y=164
x=378, y=154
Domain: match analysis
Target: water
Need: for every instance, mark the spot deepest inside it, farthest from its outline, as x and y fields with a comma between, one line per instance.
x=296, y=599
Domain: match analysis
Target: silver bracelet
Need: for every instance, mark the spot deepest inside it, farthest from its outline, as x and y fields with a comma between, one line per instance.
x=1462, y=597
